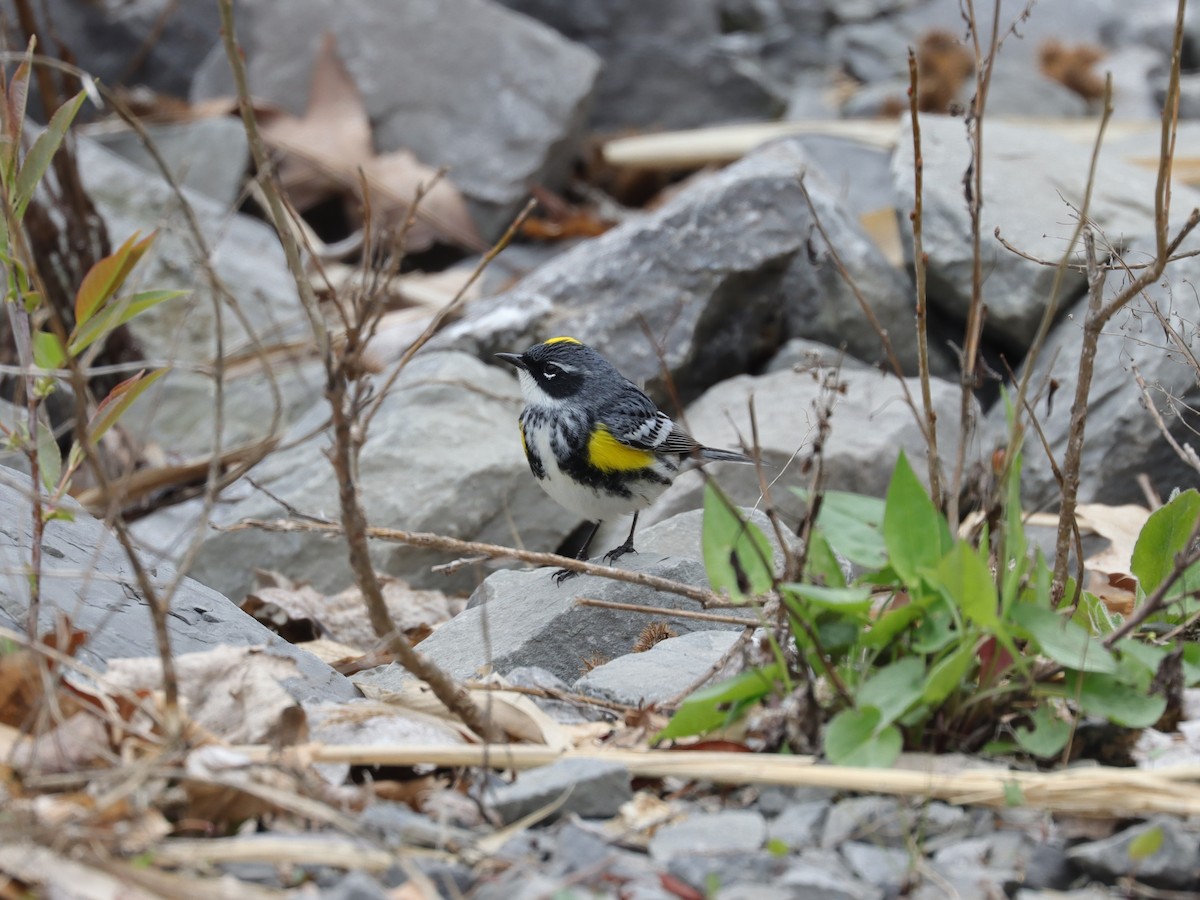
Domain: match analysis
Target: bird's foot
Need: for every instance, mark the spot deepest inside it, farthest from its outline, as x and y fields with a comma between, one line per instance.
x=617, y=552
x=561, y=575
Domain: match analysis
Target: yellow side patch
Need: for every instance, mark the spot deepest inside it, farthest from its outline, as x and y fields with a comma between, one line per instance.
x=608, y=454
x=524, y=445
x=562, y=340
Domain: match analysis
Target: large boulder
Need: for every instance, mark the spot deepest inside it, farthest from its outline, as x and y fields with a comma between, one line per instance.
x=498, y=98
x=443, y=455
x=721, y=275
x=87, y=577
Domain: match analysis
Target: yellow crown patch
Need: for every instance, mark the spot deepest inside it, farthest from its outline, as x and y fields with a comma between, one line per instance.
x=562, y=340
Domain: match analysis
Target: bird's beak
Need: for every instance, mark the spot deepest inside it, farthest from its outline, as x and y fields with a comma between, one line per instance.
x=514, y=358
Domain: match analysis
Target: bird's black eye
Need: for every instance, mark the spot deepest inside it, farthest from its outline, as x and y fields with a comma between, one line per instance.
x=552, y=369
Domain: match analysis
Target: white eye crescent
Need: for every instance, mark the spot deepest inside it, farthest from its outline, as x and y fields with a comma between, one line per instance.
x=551, y=370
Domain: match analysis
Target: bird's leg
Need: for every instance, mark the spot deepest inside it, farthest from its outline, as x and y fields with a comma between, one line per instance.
x=562, y=575
x=617, y=552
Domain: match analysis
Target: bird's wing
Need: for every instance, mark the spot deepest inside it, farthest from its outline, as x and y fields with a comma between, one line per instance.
x=646, y=428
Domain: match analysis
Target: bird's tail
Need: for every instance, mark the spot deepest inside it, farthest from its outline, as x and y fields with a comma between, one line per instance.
x=711, y=454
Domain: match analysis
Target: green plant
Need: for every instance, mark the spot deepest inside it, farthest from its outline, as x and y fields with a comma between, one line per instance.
x=943, y=643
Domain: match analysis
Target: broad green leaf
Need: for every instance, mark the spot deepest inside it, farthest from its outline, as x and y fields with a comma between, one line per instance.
x=1112, y=698
x=1191, y=664
x=1048, y=735
x=1163, y=536
x=884, y=629
x=49, y=456
x=1062, y=640
x=856, y=737
x=915, y=533
x=1094, y=615
x=737, y=556
x=116, y=315
x=851, y=523
x=839, y=599
x=1144, y=656
x=936, y=630
x=947, y=675
x=106, y=277
x=966, y=581
x=821, y=563
x=37, y=160
x=119, y=399
x=712, y=707
x=47, y=350
x=1147, y=843
x=893, y=689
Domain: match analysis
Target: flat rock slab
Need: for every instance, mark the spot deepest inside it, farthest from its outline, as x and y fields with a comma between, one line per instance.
x=661, y=673
x=87, y=576
x=589, y=788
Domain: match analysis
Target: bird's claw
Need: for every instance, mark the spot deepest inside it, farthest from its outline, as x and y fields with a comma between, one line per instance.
x=562, y=575
x=617, y=552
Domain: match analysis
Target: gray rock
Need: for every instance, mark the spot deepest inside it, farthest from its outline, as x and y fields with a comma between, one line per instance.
x=448, y=79
x=1026, y=92
x=802, y=355
x=1092, y=892
x=1031, y=181
x=822, y=873
x=155, y=43
x=525, y=619
x=879, y=820
x=1176, y=863
x=87, y=577
x=209, y=156
x=401, y=826
x=721, y=275
x=1001, y=862
x=476, y=486
x=884, y=867
x=578, y=848
x=664, y=671
x=561, y=711
x=667, y=64
x=799, y=825
x=597, y=790
x=725, y=832
x=719, y=871
x=355, y=886
x=870, y=425
x=1121, y=438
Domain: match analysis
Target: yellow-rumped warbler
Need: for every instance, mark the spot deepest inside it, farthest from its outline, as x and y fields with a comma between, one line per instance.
x=595, y=442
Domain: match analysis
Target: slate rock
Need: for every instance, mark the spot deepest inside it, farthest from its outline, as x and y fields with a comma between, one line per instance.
x=560, y=711
x=664, y=671
x=724, y=832
x=355, y=886
x=798, y=826
x=412, y=475
x=669, y=64
x=1121, y=440
x=1000, y=862
x=727, y=869
x=209, y=156
x=522, y=618
x=597, y=790
x=823, y=873
x=450, y=80
x=87, y=576
x=1031, y=180
x=722, y=274
x=1175, y=865
x=885, y=867
x=880, y=820
x=871, y=423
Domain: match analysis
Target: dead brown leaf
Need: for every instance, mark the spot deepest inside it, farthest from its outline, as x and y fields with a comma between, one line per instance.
x=330, y=145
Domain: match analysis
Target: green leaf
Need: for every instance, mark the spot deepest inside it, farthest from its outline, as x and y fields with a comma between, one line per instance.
x=1015, y=544
x=777, y=847
x=967, y=583
x=1143, y=657
x=936, y=630
x=916, y=534
x=894, y=689
x=37, y=160
x=946, y=676
x=737, y=556
x=1191, y=664
x=712, y=707
x=119, y=399
x=1112, y=698
x=1164, y=535
x=1048, y=735
x=856, y=737
x=851, y=523
x=47, y=350
x=848, y=600
x=822, y=565
x=1062, y=640
x=49, y=456
x=884, y=629
x=1094, y=615
x=1147, y=843
x=105, y=278
x=116, y=315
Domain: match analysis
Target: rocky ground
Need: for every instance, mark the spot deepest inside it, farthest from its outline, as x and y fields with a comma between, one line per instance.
x=729, y=274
